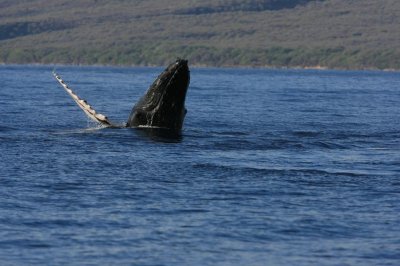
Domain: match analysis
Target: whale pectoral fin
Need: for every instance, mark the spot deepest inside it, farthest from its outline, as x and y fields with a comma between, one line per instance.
x=89, y=111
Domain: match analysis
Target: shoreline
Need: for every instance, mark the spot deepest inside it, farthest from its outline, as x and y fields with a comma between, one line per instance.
x=228, y=66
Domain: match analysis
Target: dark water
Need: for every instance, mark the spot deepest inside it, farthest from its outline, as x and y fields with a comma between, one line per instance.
x=273, y=168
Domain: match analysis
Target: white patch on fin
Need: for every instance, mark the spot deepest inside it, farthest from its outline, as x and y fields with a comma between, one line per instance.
x=89, y=111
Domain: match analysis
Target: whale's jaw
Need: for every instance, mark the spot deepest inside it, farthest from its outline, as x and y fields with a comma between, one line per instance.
x=163, y=105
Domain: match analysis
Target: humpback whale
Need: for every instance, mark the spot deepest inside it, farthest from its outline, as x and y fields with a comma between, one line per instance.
x=162, y=106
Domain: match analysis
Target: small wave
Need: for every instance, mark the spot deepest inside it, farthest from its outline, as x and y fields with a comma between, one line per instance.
x=6, y=129
x=380, y=149
x=329, y=145
x=243, y=144
x=230, y=133
x=64, y=186
x=280, y=171
x=25, y=243
x=74, y=131
x=306, y=133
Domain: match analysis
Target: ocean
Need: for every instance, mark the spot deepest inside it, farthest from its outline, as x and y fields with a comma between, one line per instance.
x=273, y=167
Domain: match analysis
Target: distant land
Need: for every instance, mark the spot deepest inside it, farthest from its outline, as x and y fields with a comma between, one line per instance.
x=338, y=34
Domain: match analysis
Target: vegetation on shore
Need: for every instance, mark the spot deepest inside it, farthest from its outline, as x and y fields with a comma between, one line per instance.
x=359, y=34
x=338, y=58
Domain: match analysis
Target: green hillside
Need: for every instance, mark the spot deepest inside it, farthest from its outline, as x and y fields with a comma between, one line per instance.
x=355, y=34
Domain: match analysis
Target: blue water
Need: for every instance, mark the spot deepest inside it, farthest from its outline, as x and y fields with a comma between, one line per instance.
x=274, y=167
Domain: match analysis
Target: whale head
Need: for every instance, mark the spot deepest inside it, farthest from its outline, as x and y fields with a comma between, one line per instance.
x=163, y=105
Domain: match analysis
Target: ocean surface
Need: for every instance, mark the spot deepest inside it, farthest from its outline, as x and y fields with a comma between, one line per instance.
x=273, y=167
